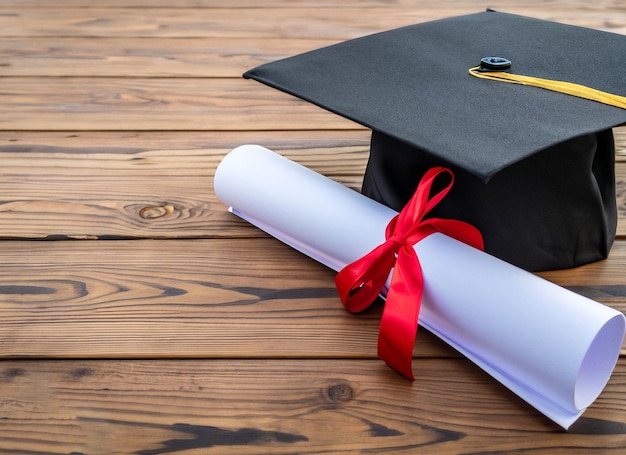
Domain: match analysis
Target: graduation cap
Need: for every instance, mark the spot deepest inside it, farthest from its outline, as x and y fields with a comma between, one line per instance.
x=534, y=168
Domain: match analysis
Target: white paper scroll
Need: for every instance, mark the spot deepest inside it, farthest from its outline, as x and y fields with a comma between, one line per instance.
x=552, y=347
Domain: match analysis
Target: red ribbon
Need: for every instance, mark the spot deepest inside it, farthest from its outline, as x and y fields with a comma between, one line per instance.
x=362, y=281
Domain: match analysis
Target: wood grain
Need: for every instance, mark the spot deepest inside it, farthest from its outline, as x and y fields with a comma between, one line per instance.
x=575, y=6
x=284, y=407
x=138, y=317
x=193, y=298
x=313, y=21
x=226, y=298
x=163, y=104
x=150, y=185
x=145, y=57
x=155, y=186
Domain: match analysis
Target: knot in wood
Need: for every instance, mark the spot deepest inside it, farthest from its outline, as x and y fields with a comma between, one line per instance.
x=155, y=211
x=340, y=393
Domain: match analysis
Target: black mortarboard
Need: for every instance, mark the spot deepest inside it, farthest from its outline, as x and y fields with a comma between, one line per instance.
x=534, y=169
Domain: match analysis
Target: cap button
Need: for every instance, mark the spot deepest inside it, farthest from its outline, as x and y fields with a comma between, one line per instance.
x=494, y=64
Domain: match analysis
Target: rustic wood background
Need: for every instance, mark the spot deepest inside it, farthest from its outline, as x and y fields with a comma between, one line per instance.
x=137, y=316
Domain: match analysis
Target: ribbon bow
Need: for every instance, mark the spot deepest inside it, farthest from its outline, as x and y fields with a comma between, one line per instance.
x=362, y=281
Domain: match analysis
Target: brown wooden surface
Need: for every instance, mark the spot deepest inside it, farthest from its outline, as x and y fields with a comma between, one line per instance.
x=137, y=316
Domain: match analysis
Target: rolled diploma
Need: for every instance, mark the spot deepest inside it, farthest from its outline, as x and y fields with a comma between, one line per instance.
x=553, y=348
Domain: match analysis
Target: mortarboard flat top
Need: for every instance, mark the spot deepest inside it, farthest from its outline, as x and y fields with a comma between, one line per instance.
x=412, y=84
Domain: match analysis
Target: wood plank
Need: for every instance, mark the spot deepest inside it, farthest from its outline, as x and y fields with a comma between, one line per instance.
x=140, y=104
x=561, y=5
x=155, y=185
x=59, y=185
x=145, y=57
x=331, y=152
x=282, y=22
x=287, y=22
x=143, y=185
x=285, y=407
x=114, y=117
x=226, y=298
x=202, y=298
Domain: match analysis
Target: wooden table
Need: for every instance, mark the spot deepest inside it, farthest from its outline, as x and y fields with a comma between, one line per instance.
x=137, y=316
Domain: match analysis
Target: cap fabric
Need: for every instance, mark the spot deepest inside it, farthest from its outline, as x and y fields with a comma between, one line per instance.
x=534, y=169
